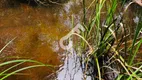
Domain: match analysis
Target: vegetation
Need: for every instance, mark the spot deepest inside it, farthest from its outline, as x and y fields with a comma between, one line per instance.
x=107, y=51
x=5, y=74
x=12, y=64
x=111, y=52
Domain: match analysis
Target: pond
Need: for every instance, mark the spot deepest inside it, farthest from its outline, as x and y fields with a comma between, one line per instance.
x=35, y=32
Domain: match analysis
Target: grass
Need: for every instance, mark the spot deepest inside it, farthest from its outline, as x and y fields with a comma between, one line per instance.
x=106, y=38
x=17, y=62
x=104, y=44
x=4, y=73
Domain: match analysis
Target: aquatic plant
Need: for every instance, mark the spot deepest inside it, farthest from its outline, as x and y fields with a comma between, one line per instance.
x=108, y=59
x=5, y=74
x=15, y=63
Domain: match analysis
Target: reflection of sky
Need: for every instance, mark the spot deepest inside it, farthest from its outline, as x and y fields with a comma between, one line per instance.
x=71, y=69
x=136, y=19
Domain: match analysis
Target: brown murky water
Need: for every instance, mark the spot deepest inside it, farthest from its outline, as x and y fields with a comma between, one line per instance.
x=36, y=31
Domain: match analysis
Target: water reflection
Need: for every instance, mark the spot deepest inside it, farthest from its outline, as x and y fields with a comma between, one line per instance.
x=71, y=70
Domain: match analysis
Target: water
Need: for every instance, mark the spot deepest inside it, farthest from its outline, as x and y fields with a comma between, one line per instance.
x=37, y=31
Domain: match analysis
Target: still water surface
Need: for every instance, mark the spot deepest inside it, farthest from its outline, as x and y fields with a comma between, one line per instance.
x=37, y=31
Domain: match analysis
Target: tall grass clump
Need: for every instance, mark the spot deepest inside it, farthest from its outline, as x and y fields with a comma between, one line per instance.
x=109, y=54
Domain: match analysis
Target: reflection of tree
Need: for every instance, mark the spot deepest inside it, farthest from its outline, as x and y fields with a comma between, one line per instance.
x=50, y=2
x=16, y=3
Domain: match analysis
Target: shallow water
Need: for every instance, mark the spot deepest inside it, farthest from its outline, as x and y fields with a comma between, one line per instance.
x=37, y=31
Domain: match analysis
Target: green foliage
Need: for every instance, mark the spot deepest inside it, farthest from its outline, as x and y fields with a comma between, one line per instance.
x=7, y=72
x=106, y=41
x=133, y=54
x=18, y=62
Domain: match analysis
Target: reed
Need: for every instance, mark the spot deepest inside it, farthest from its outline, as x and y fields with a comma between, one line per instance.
x=106, y=34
